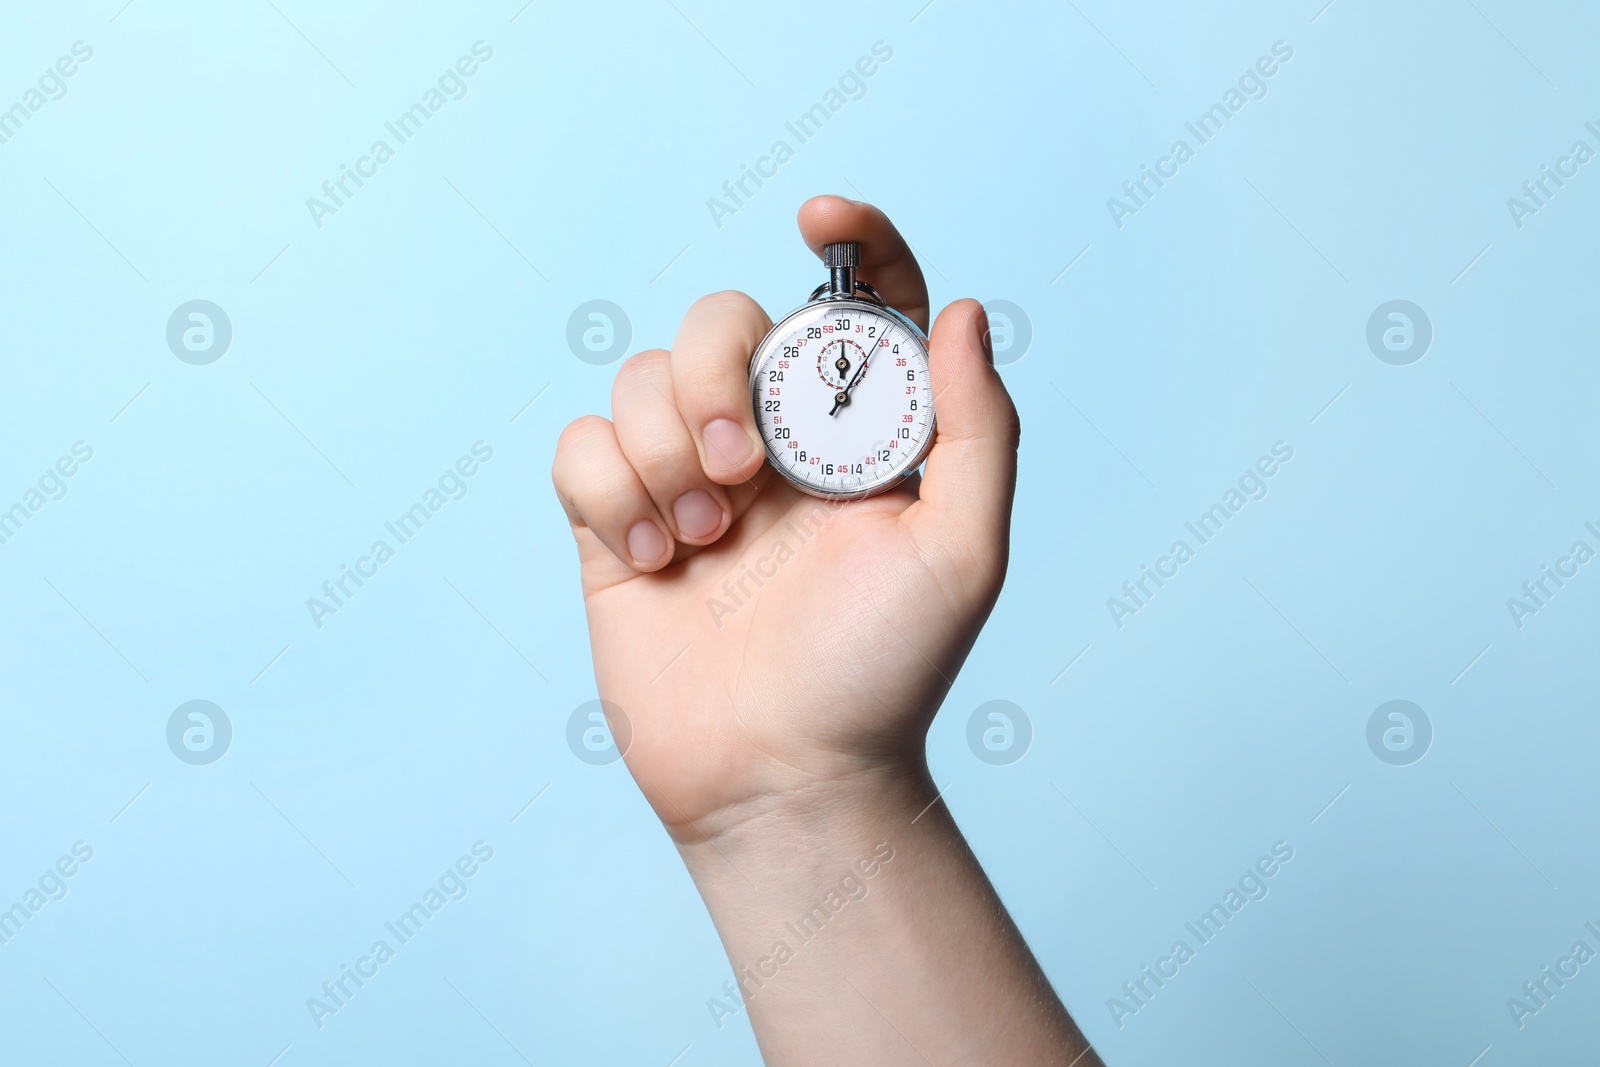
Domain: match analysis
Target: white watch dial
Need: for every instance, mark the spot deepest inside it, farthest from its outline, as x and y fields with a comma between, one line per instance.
x=842, y=398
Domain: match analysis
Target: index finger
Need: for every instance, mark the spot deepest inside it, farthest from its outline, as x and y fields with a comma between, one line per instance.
x=887, y=263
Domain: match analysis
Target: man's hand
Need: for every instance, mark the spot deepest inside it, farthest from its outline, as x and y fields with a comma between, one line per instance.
x=779, y=659
x=763, y=642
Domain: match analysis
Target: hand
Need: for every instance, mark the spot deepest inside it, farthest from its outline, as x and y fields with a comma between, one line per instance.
x=765, y=644
x=779, y=659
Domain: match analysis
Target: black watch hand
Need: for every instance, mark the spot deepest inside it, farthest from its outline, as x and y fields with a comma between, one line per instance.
x=842, y=397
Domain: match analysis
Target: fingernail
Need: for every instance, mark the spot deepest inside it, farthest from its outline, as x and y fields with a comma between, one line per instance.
x=726, y=443
x=981, y=322
x=697, y=513
x=645, y=543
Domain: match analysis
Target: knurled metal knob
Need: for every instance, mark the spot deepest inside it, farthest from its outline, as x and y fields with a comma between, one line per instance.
x=841, y=254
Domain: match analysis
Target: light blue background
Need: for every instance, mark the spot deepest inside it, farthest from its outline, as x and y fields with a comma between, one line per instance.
x=424, y=316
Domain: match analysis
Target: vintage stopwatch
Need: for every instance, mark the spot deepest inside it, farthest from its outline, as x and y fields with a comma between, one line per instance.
x=841, y=390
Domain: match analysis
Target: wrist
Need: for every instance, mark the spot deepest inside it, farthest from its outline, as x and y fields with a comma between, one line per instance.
x=826, y=899
x=824, y=825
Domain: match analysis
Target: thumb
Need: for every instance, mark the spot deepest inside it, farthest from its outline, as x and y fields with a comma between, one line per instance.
x=964, y=502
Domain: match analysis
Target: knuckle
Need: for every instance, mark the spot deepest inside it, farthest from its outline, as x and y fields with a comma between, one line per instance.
x=726, y=301
x=644, y=362
x=721, y=323
x=658, y=460
x=616, y=487
x=577, y=432
x=640, y=371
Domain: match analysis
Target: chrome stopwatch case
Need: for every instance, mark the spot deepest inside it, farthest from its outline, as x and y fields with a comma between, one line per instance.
x=841, y=389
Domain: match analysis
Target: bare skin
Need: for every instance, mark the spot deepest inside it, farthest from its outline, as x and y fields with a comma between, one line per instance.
x=779, y=658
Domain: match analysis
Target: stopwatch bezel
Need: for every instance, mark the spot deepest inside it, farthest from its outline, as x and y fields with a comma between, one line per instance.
x=773, y=337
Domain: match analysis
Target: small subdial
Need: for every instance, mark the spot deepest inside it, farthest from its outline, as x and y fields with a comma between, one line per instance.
x=839, y=361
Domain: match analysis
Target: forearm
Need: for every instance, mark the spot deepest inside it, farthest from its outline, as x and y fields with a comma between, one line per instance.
x=862, y=930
